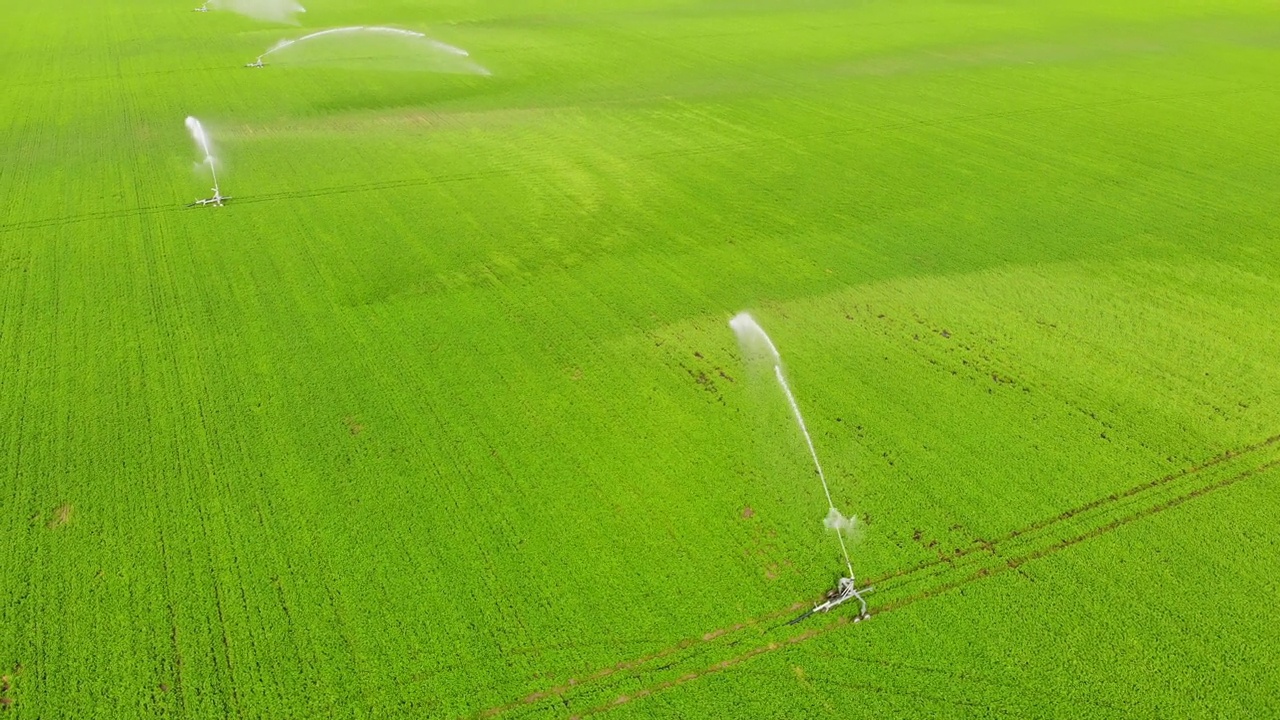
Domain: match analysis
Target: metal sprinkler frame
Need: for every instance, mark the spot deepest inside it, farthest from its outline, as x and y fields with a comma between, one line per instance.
x=846, y=589
x=216, y=200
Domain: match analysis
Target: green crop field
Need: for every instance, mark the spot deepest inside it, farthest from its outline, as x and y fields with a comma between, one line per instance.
x=441, y=414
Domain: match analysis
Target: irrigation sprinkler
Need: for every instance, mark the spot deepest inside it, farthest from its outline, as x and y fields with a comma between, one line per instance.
x=750, y=334
x=844, y=591
x=202, y=140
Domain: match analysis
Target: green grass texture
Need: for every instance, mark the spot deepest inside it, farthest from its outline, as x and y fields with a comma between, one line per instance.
x=441, y=415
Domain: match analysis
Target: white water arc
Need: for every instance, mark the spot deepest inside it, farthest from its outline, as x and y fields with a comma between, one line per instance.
x=202, y=140
x=751, y=336
x=436, y=44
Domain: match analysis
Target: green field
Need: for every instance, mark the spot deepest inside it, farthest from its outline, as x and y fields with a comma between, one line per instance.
x=441, y=416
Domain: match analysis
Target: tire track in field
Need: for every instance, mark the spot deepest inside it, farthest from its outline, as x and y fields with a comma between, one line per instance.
x=88, y=217
x=572, y=683
x=1025, y=552
x=983, y=558
x=985, y=572
x=1100, y=503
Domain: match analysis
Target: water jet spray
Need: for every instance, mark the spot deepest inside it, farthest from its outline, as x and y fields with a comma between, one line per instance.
x=411, y=35
x=202, y=141
x=753, y=338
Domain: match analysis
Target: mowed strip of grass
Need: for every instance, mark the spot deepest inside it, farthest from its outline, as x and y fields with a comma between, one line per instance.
x=444, y=411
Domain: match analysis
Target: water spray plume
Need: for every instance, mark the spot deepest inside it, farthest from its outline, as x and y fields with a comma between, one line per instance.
x=838, y=522
x=423, y=42
x=202, y=142
x=755, y=341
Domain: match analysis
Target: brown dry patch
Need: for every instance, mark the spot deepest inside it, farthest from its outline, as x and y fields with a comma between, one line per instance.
x=354, y=427
x=748, y=512
x=61, y=516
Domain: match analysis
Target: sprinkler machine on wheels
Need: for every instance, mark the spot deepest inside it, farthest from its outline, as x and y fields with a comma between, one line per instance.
x=216, y=199
x=844, y=591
